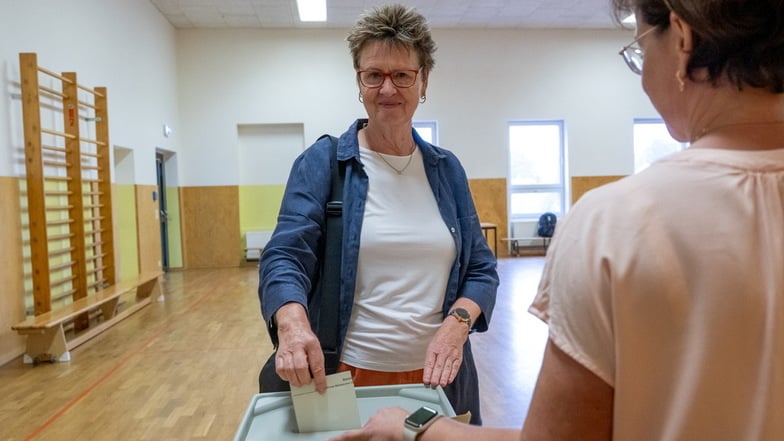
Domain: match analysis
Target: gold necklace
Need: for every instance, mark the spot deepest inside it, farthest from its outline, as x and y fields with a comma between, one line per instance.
x=398, y=170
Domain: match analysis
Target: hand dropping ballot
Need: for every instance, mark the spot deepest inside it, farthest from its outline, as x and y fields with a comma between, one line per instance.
x=337, y=409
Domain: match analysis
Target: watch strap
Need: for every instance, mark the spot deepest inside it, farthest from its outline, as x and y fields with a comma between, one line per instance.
x=409, y=434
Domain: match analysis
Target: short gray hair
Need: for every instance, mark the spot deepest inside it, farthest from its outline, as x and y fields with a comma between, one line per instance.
x=395, y=25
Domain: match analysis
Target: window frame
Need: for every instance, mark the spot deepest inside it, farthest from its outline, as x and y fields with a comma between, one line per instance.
x=642, y=121
x=559, y=188
x=430, y=124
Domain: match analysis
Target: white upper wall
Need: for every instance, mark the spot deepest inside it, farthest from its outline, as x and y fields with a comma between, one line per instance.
x=231, y=77
x=482, y=80
x=125, y=45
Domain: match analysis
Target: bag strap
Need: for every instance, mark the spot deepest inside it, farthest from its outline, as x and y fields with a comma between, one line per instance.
x=329, y=322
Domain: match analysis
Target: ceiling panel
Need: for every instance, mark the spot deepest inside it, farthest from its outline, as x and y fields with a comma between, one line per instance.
x=564, y=14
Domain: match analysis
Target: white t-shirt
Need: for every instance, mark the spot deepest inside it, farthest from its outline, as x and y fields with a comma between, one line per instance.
x=669, y=285
x=405, y=255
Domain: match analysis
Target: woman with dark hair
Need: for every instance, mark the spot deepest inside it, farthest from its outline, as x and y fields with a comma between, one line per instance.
x=664, y=291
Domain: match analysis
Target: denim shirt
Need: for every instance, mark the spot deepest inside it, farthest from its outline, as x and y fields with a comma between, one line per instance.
x=290, y=259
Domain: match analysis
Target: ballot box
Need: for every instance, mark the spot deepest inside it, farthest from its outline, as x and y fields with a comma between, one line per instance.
x=270, y=416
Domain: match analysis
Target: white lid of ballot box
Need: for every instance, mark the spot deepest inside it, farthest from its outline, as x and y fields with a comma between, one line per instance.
x=270, y=416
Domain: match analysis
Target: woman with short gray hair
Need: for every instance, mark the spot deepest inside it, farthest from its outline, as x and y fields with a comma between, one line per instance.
x=418, y=276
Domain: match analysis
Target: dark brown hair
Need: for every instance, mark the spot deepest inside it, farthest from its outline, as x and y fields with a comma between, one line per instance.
x=740, y=39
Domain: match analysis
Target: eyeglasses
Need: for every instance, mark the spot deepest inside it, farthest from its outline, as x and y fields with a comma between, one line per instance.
x=633, y=55
x=373, y=78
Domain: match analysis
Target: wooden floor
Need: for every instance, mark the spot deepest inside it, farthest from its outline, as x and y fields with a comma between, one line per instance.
x=186, y=367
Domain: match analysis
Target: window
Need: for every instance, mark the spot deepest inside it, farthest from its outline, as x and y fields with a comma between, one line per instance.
x=652, y=141
x=428, y=130
x=536, y=169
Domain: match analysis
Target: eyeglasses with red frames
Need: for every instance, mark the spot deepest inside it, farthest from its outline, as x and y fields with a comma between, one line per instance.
x=373, y=78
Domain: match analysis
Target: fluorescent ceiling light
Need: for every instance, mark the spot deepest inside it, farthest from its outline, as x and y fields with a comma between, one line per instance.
x=631, y=19
x=312, y=10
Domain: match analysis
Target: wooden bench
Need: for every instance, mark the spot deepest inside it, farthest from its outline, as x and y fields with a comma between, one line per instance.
x=46, y=340
x=515, y=247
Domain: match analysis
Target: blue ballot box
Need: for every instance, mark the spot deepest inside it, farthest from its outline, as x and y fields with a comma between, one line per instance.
x=270, y=416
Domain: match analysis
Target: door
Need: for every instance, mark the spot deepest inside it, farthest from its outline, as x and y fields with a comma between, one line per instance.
x=161, y=172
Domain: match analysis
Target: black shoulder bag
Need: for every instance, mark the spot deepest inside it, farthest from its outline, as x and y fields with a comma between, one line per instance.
x=324, y=298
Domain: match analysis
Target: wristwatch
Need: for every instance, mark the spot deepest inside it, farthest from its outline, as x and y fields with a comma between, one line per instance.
x=418, y=422
x=461, y=315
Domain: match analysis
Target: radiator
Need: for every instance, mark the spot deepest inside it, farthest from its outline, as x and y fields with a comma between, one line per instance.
x=523, y=228
x=255, y=241
x=525, y=231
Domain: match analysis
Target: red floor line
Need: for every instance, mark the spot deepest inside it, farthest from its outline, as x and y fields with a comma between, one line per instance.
x=111, y=372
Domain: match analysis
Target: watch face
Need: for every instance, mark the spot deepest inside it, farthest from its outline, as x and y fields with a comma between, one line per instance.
x=462, y=313
x=421, y=417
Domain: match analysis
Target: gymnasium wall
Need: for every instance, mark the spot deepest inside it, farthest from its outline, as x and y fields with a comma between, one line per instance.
x=125, y=45
x=148, y=228
x=208, y=84
x=584, y=184
x=490, y=200
x=124, y=201
x=175, y=223
x=305, y=78
x=11, y=271
x=210, y=226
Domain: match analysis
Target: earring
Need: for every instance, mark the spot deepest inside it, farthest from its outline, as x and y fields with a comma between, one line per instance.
x=681, y=83
x=422, y=99
x=361, y=98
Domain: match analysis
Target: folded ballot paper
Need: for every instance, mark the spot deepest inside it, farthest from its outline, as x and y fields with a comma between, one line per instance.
x=337, y=409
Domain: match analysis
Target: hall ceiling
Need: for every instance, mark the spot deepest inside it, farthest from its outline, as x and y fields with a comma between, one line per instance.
x=536, y=14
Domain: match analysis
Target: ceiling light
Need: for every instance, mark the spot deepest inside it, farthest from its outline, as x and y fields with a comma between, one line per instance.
x=631, y=19
x=312, y=10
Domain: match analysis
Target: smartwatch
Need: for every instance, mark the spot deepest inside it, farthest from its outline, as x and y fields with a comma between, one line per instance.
x=417, y=422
